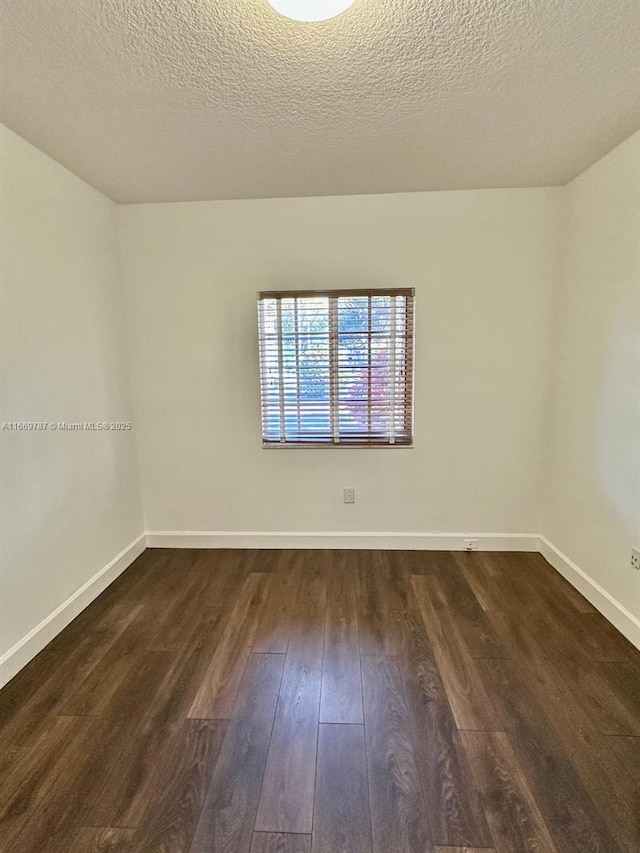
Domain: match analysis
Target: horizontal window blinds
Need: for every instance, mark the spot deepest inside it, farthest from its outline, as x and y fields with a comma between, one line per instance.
x=336, y=367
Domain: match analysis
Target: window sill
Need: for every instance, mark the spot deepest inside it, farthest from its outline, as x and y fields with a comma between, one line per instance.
x=284, y=445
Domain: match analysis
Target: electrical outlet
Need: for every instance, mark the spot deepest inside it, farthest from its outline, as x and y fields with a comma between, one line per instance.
x=470, y=544
x=349, y=496
x=635, y=558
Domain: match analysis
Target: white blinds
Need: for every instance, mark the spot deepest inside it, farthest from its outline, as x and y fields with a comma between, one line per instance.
x=336, y=367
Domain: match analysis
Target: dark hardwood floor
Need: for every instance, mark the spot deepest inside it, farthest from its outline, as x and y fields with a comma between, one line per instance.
x=326, y=702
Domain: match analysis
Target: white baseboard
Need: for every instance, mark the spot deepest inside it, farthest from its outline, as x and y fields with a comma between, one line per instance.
x=616, y=613
x=387, y=541
x=29, y=646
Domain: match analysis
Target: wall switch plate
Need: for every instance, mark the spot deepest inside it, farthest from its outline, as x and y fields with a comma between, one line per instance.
x=349, y=496
x=470, y=544
x=635, y=558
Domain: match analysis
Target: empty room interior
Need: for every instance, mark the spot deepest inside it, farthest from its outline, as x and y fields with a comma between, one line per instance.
x=320, y=426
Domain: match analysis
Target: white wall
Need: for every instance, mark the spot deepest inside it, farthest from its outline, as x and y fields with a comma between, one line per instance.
x=484, y=265
x=507, y=282
x=70, y=501
x=593, y=507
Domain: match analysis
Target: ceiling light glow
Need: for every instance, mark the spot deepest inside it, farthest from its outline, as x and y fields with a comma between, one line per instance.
x=310, y=10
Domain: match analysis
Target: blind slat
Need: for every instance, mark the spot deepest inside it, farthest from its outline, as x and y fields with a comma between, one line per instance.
x=336, y=367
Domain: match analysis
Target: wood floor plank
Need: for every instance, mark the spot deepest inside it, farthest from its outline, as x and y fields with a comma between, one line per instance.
x=395, y=581
x=476, y=629
x=593, y=685
x=227, y=817
x=385, y=582
x=610, y=640
x=181, y=782
x=547, y=577
x=341, y=695
x=132, y=783
x=217, y=693
x=16, y=693
x=569, y=812
x=376, y=625
x=286, y=802
x=398, y=814
x=96, y=839
x=181, y=608
x=23, y=791
x=451, y=799
x=21, y=730
x=609, y=693
x=100, y=749
x=376, y=634
x=342, y=819
x=268, y=842
x=488, y=592
x=608, y=784
x=569, y=634
x=464, y=850
x=263, y=560
x=418, y=562
x=515, y=820
x=501, y=564
x=64, y=799
x=94, y=693
x=628, y=751
x=549, y=641
x=471, y=706
x=228, y=570
x=617, y=795
x=509, y=572
x=274, y=627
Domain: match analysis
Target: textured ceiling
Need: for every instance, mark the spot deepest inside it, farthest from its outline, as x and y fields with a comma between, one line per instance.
x=158, y=100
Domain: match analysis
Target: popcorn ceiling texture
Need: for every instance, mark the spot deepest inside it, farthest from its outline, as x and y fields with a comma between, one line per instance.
x=166, y=100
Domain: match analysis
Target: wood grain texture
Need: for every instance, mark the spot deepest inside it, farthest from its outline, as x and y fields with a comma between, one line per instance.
x=628, y=751
x=131, y=784
x=472, y=708
x=228, y=815
x=220, y=684
x=486, y=589
x=577, y=827
x=398, y=813
x=451, y=799
x=623, y=682
x=92, y=839
x=152, y=725
x=464, y=850
x=571, y=734
x=608, y=692
x=286, y=804
x=75, y=785
x=80, y=660
x=274, y=627
x=180, y=783
x=341, y=696
x=342, y=818
x=227, y=570
x=465, y=609
x=393, y=578
x=548, y=578
x=270, y=842
x=28, y=788
x=514, y=818
x=376, y=633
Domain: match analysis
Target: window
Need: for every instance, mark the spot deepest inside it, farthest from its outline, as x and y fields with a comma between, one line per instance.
x=336, y=368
